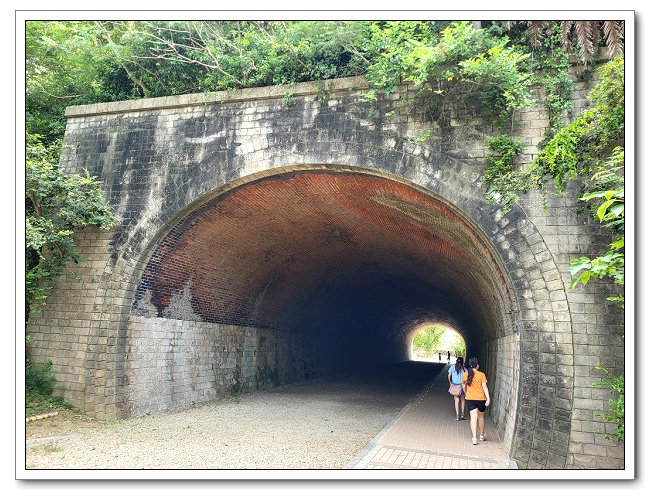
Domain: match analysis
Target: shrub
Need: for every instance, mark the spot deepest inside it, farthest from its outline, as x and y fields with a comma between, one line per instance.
x=39, y=379
x=616, y=413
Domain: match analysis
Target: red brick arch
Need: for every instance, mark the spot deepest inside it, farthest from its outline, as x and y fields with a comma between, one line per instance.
x=340, y=253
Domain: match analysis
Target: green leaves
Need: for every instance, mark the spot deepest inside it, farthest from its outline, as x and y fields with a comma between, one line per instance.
x=612, y=208
x=578, y=265
x=501, y=178
x=459, y=62
x=585, y=149
x=578, y=149
x=82, y=62
x=603, y=208
x=616, y=412
x=611, y=211
x=610, y=265
x=421, y=138
x=428, y=339
x=56, y=204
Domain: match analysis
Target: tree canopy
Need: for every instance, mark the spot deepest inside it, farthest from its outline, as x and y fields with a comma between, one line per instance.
x=81, y=62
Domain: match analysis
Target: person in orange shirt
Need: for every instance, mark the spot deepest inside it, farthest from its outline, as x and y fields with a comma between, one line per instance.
x=477, y=397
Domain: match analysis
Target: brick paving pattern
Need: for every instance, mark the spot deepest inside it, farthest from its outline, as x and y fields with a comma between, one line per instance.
x=426, y=436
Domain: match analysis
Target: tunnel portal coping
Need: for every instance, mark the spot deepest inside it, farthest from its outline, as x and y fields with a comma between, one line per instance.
x=220, y=97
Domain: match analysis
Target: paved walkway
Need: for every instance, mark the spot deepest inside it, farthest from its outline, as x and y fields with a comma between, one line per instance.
x=426, y=436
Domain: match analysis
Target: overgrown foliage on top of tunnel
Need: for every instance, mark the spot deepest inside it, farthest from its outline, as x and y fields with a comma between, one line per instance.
x=82, y=62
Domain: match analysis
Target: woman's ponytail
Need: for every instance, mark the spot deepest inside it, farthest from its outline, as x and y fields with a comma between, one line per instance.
x=459, y=364
x=473, y=363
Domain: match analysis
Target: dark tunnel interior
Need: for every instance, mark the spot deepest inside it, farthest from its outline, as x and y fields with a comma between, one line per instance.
x=354, y=259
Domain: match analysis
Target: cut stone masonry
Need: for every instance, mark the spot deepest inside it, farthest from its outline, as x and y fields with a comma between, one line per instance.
x=262, y=242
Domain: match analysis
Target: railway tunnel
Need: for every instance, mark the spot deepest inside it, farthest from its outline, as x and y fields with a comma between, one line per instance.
x=261, y=244
x=314, y=271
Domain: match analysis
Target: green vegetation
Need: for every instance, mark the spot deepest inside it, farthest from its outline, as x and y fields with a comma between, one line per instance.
x=56, y=204
x=583, y=149
x=38, y=378
x=597, y=138
x=435, y=338
x=39, y=386
x=590, y=148
x=611, y=212
x=501, y=178
x=455, y=343
x=82, y=62
x=426, y=341
x=616, y=412
x=458, y=64
x=37, y=404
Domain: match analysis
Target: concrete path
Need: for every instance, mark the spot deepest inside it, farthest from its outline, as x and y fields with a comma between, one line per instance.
x=426, y=436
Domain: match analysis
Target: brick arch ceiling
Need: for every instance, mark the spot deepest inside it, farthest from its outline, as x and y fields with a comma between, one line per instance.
x=335, y=253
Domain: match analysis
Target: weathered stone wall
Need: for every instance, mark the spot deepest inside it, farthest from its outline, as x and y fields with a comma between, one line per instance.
x=164, y=159
x=75, y=330
x=588, y=330
x=174, y=363
x=589, y=333
x=505, y=351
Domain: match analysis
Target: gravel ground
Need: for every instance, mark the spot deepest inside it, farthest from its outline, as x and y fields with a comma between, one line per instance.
x=316, y=424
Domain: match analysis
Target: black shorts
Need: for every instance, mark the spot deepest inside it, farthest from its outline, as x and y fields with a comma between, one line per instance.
x=473, y=403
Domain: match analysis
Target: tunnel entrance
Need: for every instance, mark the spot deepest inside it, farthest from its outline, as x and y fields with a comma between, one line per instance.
x=302, y=273
x=437, y=344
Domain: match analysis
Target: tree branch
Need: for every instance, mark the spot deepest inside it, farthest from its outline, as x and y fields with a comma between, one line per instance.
x=37, y=207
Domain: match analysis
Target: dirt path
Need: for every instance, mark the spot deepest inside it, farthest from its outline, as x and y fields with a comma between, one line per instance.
x=317, y=424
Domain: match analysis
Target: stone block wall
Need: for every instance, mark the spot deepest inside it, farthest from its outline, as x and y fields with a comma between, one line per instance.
x=589, y=332
x=163, y=158
x=174, y=363
x=67, y=330
x=505, y=354
x=588, y=329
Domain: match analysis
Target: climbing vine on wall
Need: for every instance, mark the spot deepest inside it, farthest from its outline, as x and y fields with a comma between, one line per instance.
x=56, y=204
x=550, y=64
x=608, y=200
x=462, y=63
x=593, y=146
x=579, y=150
x=616, y=411
x=502, y=179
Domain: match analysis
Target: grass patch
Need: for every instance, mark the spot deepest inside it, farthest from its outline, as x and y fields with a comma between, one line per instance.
x=37, y=404
x=39, y=386
x=47, y=448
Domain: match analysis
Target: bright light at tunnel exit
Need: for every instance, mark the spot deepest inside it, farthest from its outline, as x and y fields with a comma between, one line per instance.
x=432, y=342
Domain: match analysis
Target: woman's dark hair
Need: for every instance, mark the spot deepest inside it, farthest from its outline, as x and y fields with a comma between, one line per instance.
x=459, y=364
x=473, y=363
